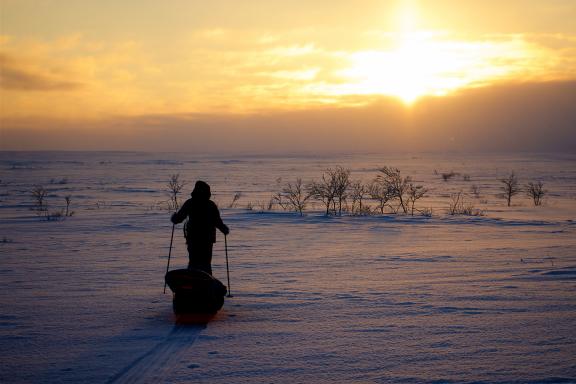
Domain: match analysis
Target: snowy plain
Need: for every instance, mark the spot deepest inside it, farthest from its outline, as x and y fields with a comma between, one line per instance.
x=352, y=299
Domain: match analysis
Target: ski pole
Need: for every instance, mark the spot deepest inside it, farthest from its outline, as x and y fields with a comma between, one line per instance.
x=227, y=268
x=169, y=254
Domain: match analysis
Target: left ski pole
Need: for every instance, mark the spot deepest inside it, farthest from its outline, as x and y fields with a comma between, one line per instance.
x=169, y=254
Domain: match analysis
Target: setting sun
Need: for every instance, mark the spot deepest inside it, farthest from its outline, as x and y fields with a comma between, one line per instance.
x=426, y=63
x=417, y=67
x=422, y=64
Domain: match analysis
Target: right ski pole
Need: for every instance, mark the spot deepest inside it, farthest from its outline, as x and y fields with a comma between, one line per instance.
x=169, y=254
x=227, y=267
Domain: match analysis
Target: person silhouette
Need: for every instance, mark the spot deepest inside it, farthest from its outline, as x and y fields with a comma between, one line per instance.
x=200, y=231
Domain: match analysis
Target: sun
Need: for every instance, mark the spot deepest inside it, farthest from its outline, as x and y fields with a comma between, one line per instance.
x=417, y=63
x=418, y=66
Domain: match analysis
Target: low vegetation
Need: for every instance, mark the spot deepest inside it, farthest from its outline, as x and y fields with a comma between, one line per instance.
x=459, y=206
x=40, y=199
x=293, y=196
x=389, y=191
x=510, y=187
x=535, y=190
x=175, y=186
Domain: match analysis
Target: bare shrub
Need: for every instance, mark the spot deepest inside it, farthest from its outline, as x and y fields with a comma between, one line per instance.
x=455, y=203
x=102, y=204
x=449, y=175
x=358, y=192
x=68, y=200
x=510, y=187
x=341, y=179
x=235, y=199
x=39, y=193
x=55, y=216
x=536, y=191
x=175, y=186
x=332, y=189
x=321, y=191
x=458, y=206
x=414, y=193
x=391, y=180
x=382, y=194
x=293, y=196
x=426, y=212
x=270, y=205
x=264, y=206
x=475, y=190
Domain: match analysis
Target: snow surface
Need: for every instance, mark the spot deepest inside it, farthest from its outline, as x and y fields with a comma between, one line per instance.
x=379, y=299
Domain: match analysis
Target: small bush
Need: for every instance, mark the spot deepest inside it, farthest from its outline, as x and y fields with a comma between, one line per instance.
x=175, y=186
x=270, y=204
x=536, y=191
x=458, y=206
x=235, y=199
x=332, y=189
x=39, y=193
x=475, y=190
x=426, y=212
x=55, y=216
x=101, y=204
x=358, y=192
x=449, y=175
x=392, y=182
x=509, y=188
x=382, y=193
x=68, y=200
x=415, y=192
x=293, y=196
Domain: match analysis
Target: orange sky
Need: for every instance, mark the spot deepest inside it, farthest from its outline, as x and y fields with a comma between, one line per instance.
x=133, y=74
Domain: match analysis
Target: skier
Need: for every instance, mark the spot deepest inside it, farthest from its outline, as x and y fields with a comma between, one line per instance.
x=203, y=219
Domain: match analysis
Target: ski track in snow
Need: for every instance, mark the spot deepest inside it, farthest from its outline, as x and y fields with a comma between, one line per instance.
x=156, y=365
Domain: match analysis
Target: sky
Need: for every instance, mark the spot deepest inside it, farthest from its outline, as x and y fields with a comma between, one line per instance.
x=272, y=76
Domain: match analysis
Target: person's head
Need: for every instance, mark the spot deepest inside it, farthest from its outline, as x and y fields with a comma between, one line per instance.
x=201, y=190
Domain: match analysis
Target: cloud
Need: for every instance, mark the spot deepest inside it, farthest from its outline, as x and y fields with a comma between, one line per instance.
x=15, y=76
x=221, y=69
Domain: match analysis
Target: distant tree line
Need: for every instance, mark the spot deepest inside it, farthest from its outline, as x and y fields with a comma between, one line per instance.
x=337, y=192
x=389, y=191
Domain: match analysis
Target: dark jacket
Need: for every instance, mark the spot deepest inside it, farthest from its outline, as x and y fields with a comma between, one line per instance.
x=203, y=216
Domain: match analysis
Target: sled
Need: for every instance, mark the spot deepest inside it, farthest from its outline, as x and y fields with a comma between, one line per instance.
x=195, y=291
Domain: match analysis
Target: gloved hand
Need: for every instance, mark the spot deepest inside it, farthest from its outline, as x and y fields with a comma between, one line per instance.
x=173, y=219
x=226, y=230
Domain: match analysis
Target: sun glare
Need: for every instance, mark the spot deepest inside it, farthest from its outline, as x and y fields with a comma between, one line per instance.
x=417, y=67
x=422, y=63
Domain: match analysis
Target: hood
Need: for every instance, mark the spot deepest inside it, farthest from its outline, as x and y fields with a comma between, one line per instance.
x=201, y=191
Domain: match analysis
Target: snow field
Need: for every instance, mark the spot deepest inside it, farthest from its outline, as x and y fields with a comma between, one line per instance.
x=316, y=299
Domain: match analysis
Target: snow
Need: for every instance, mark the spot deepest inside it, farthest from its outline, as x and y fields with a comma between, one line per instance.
x=378, y=299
